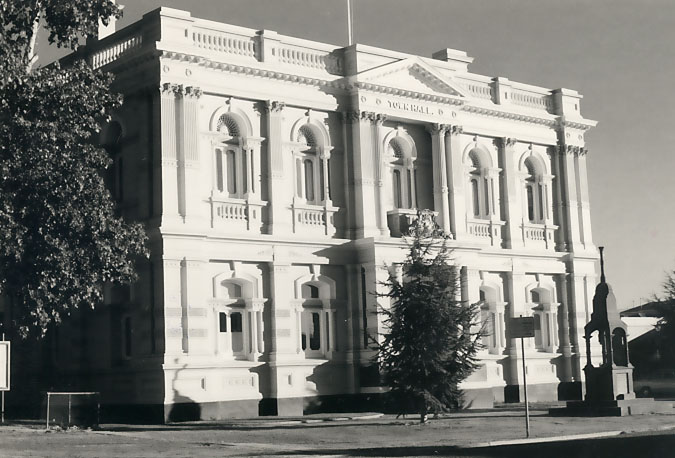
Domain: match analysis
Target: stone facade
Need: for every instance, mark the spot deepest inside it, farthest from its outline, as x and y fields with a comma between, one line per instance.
x=276, y=175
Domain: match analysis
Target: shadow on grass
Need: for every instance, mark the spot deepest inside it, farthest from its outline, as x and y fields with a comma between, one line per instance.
x=617, y=447
x=263, y=423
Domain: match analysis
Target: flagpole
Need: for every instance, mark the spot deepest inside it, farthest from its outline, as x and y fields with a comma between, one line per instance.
x=350, y=28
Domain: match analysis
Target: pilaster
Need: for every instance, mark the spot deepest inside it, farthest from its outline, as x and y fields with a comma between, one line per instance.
x=511, y=196
x=516, y=301
x=366, y=216
x=278, y=216
x=189, y=186
x=378, y=166
x=282, y=324
x=193, y=305
x=565, y=345
x=455, y=170
x=584, y=201
x=570, y=197
x=169, y=145
x=440, y=169
x=174, y=334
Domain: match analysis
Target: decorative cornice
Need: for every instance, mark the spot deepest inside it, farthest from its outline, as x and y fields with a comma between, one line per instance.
x=246, y=70
x=510, y=115
x=581, y=124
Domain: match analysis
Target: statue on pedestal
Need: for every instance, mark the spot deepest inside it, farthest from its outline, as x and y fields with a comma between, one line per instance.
x=613, y=379
x=609, y=386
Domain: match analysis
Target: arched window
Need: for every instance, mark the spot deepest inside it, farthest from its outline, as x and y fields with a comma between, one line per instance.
x=479, y=185
x=535, y=193
x=398, y=197
x=315, y=319
x=401, y=154
x=310, y=170
x=233, y=170
x=492, y=318
x=544, y=311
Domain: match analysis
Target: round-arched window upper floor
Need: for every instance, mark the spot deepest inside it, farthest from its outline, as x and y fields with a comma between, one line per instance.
x=312, y=166
x=403, y=172
x=480, y=191
x=233, y=166
x=535, y=194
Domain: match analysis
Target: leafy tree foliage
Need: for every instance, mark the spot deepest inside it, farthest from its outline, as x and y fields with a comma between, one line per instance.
x=431, y=342
x=60, y=239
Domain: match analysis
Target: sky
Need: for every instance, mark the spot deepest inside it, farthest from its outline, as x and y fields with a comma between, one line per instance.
x=618, y=53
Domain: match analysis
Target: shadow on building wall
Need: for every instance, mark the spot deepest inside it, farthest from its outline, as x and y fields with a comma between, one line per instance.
x=183, y=407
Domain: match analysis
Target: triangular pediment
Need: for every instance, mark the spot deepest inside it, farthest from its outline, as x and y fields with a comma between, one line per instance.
x=413, y=75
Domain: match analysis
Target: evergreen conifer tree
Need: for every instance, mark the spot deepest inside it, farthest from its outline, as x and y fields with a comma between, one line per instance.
x=431, y=340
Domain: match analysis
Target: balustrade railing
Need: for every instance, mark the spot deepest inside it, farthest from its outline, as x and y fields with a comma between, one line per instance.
x=305, y=57
x=314, y=219
x=114, y=51
x=481, y=91
x=224, y=42
x=228, y=213
x=539, y=235
x=485, y=230
x=531, y=99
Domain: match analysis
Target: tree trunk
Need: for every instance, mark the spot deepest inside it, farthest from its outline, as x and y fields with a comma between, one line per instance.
x=423, y=412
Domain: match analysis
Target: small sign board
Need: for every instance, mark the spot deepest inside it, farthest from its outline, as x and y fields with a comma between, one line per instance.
x=4, y=365
x=521, y=327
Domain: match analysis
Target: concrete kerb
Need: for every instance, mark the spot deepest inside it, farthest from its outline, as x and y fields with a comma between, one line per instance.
x=569, y=437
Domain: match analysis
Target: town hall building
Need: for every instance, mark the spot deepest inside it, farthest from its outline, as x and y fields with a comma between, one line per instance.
x=276, y=177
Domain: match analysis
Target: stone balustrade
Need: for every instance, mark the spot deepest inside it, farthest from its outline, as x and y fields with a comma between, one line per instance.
x=236, y=214
x=539, y=235
x=314, y=219
x=486, y=231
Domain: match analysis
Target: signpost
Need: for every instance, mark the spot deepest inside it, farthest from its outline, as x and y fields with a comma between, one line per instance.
x=521, y=328
x=4, y=373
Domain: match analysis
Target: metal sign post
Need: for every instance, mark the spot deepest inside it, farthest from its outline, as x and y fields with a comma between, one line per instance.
x=521, y=328
x=4, y=374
